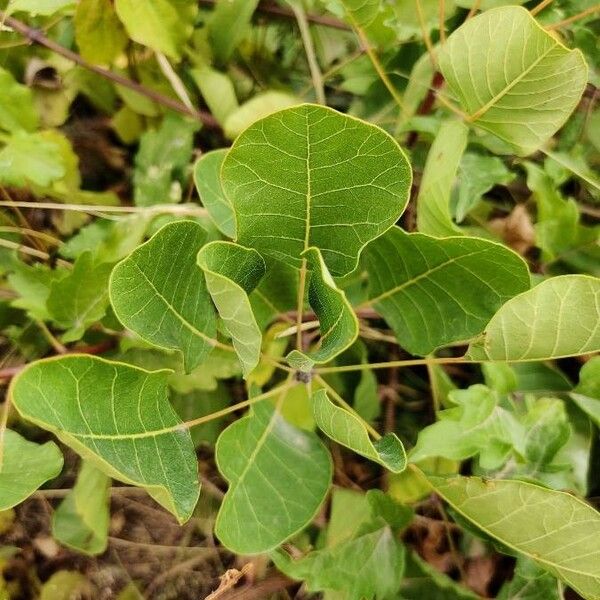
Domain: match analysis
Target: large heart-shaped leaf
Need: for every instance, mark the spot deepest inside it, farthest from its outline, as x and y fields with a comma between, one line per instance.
x=278, y=477
x=339, y=325
x=159, y=293
x=558, y=317
x=117, y=417
x=437, y=291
x=433, y=204
x=310, y=176
x=346, y=429
x=232, y=272
x=207, y=177
x=557, y=530
x=512, y=77
x=24, y=467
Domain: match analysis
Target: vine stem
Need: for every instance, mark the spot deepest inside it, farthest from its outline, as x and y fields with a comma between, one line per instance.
x=374, y=433
x=425, y=33
x=581, y=15
x=36, y=36
x=394, y=363
x=309, y=48
x=540, y=7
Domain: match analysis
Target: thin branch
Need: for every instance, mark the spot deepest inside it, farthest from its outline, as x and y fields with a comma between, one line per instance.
x=174, y=80
x=30, y=251
x=540, y=7
x=474, y=9
x=58, y=347
x=425, y=33
x=442, y=11
x=37, y=37
x=309, y=49
x=581, y=15
x=394, y=363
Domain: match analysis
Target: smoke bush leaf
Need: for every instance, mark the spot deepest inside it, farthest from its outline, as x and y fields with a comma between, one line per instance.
x=24, y=467
x=339, y=183
x=437, y=291
x=557, y=530
x=207, y=176
x=278, y=476
x=339, y=325
x=159, y=293
x=346, y=429
x=117, y=417
x=81, y=521
x=232, y=272
x=559, y=317
x=512, y=77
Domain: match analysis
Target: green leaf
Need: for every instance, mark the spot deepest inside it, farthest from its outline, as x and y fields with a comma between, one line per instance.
x=30, y=158
x=555, y=529
x=436, y=291
x=530, y=582
x=81, y=298
x=228, y=25
x=207, y=176
x=433, y=204
x=161, y=161
x=118, y=418
x=278, y=477
x=556, y=318
x=339, y=184
x=259, y=106
x=587, y=393
x=475, y=426
x=99, y=33
x=163, y=25
x=81, y=520
x=232, y=272
x=24, y=467
x=367, y=567
x=339, y=325
x=217, y=90
x=65, y=585
x=39, y=7
x=159, y=293
x=17, y=111
x=477, y=175
x=347, y=430
x=512, y=77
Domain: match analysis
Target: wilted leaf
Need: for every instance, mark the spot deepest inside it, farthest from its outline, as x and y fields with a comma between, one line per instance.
x=346, y=429
x=339, y=183
x=232, y=272
x=159, y=293
x=557, y=530
x=82, y=518
x=24, y=467
x=278, y=476
x=117, y=417
x=437, y=291
x=556, y=318
x=512, y=77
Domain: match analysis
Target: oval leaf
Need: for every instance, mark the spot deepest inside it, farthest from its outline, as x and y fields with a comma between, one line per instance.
x=339, y=325
x=232, y=272
x=278, y=477
x=339, y=183
x=512, y=77
x=117, y=417
x=24, y=467
x=436, y=291
x=159, y=293
x=557, y=530
x=207, y=177
x=559, y=317
x=347, y=430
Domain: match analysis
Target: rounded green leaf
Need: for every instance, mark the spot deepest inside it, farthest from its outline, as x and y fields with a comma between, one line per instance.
x=278, y=477
x=310, y=176
x=159, y=293
x=24, y=467
x=559, y=317
x=434, y=292
x=347, y=430
x=117, y=417
x=232, y=272
x=557, y=530
x=512, y=77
